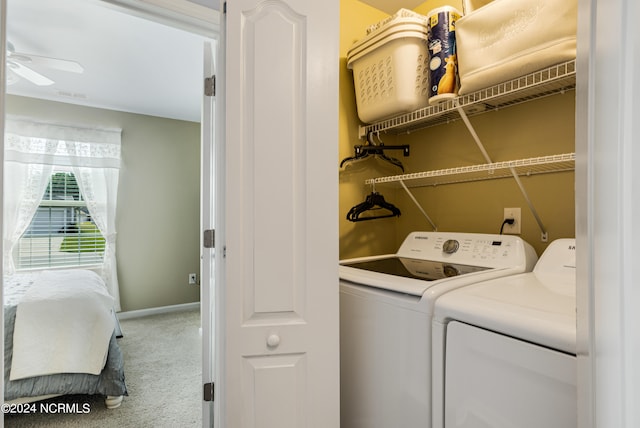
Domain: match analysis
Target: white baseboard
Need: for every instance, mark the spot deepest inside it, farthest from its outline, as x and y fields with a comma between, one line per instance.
x=161, y=310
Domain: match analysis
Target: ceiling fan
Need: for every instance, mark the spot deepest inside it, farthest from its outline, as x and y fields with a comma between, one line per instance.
x=19, y=66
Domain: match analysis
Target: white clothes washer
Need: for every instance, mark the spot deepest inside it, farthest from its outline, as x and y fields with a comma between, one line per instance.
x=386, y=307
x=504, y=350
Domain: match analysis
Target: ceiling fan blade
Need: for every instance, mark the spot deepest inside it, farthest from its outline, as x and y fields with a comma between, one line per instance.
x=55, y=63
x=12, y=77
x=27, y=73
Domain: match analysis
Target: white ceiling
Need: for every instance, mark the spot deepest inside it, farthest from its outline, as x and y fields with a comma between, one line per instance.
x=130, y=64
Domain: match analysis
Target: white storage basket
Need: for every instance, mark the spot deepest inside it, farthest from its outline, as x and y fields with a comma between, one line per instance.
x=390, y=69
x=506, y=39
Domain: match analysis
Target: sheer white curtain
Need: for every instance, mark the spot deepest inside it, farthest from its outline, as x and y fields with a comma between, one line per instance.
x=25, y=184
x=31, y=150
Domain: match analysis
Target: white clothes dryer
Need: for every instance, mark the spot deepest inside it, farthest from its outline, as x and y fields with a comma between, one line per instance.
x=504, y=350
x=386, y=307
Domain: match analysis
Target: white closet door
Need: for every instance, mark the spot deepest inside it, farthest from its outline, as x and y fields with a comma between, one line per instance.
x=281, y=362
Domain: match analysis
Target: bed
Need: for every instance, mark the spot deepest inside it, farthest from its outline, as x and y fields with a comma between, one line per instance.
x=60, y=327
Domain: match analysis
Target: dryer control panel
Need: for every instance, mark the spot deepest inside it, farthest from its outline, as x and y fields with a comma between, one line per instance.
x=559, y=257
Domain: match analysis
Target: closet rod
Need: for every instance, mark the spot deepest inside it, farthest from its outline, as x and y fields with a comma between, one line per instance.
x=465, y=119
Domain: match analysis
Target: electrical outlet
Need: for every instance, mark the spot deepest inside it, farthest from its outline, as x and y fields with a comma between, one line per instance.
x=193, y=278
x=515, y=228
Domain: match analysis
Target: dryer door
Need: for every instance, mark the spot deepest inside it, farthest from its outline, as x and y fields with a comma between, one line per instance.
x=496, y=381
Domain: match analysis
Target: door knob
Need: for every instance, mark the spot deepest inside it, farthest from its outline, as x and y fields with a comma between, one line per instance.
x=273, y=340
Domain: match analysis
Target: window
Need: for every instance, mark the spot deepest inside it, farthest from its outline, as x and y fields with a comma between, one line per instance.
x=61, y=232
x=60, y=209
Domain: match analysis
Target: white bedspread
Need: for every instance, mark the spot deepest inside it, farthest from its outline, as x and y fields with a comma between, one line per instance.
x=63, y=325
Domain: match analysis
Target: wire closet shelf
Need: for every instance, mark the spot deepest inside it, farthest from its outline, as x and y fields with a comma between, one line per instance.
x=487, y=171
x=549, y=81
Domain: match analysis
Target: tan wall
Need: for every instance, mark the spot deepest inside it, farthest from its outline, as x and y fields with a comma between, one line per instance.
x=369, y=237
x=158, y=199
x=537, y=128
x=427, y=6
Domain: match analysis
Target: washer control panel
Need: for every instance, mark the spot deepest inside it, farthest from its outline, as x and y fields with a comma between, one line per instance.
x=465, y=248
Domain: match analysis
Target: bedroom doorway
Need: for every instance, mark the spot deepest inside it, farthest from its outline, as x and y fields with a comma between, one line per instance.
x=178, y=19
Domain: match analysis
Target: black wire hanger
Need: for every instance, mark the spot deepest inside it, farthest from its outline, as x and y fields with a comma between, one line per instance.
x=371, y=148
x=374, y=202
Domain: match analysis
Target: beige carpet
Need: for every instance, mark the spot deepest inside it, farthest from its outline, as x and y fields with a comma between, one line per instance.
x=162, y=356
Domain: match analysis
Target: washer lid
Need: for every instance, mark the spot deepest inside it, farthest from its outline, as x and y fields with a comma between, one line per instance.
x=426, y=259
x=425, y=270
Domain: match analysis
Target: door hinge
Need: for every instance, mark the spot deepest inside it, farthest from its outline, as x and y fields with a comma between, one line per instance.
x=209, y=238
x=224, y=8
x=210, y=86
x=209, y=389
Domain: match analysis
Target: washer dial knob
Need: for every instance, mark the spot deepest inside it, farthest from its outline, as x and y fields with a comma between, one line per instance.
x=450, y=271
x=450, y=246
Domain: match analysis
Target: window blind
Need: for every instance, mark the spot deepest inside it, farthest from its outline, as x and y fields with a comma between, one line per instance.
x=61, y=232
